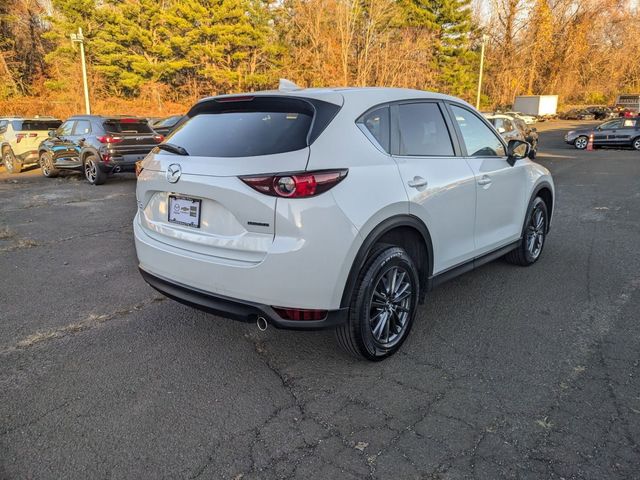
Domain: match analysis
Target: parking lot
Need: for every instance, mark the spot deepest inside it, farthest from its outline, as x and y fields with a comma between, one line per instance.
x=509, y=372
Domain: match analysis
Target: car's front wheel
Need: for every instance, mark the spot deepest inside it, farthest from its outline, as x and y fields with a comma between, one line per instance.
x=46, y=165
x=92, y=171
x=581, y=142
x=534, y=235
x=383, y=305
x=11, y=163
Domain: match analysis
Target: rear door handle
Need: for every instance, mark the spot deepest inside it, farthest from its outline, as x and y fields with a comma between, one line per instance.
x=417, y=182
x=485, y=180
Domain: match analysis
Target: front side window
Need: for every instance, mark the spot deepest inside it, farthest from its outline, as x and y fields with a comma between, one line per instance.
x=478, y=137
x=613, y=124
x=66, y=128
x=377, y=123
x=422, y=131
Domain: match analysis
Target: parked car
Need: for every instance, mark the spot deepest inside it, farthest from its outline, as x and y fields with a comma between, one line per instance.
x=530, y=135
x=601, y=113
x=325, y=208
x=19, y=140
x=577, y=114
x=97, y=145
x=621, y=132
x=528, y=119
x=515, y=129
x=165, y=126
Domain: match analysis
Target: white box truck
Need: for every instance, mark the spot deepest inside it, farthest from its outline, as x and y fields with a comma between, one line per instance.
x=540, y=105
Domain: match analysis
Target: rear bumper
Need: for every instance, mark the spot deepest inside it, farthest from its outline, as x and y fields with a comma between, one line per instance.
x=237, y=309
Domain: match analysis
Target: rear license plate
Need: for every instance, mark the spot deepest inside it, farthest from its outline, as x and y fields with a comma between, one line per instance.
x=184, y=210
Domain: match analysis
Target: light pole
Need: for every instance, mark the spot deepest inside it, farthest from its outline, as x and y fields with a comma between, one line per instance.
x=484, y=42
x=79, y=38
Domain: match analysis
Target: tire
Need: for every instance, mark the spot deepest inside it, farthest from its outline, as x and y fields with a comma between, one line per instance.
x=581, y=142
x=92, y=171
x=10, y=161
x=534, y=235
x=636, y=143
x=378, y=326
x=46, y=165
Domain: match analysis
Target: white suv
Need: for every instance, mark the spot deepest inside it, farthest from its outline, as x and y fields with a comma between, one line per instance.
x=338, y=208
x=20, y=138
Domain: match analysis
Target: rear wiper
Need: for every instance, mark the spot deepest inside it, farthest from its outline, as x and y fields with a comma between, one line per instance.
x=170, y=147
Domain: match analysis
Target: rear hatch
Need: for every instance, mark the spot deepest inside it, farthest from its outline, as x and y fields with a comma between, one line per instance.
x=131, y=137
x=30, y=132
x=209, y=209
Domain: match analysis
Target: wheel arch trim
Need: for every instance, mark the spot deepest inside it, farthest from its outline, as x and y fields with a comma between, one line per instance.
x=402, y=220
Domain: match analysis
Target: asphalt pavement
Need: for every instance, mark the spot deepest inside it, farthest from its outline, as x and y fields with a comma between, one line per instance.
x=509, y=372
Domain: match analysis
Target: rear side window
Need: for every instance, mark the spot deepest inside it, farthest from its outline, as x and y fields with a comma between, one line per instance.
x=44, y=125
x=82, y=127
x=127, y=125
x=246, y=128
x=423, y=131
x=376, y=124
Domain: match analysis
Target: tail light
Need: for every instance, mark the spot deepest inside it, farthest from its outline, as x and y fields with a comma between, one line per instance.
x=20, y=136
x=158, y=138
x=295, y=185
x=300, y=314
x=109, y=139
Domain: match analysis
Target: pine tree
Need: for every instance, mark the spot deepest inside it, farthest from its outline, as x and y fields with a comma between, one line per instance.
x=453, y=30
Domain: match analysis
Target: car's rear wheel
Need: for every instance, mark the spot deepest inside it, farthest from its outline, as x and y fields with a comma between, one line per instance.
x=581, y=142
x=534, y=235
x=383, y=305
x=636, y=143
x=92, y=171
x=11, y=163
x=46, y=165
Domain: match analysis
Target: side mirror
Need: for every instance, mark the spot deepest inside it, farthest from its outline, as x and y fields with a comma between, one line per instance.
x=517, y=150
x=52, y=133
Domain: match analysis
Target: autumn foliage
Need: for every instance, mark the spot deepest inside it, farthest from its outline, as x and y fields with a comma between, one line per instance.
x=157, y=57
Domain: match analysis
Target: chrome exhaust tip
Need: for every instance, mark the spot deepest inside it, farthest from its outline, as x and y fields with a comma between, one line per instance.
x=262, y=324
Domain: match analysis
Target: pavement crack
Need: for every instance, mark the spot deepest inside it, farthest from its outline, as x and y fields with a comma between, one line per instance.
x=90, y=322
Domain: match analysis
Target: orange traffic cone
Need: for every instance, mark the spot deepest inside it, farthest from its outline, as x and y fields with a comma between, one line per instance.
x=590, y=143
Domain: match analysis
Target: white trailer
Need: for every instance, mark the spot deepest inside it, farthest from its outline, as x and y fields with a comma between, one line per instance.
x=536, y=104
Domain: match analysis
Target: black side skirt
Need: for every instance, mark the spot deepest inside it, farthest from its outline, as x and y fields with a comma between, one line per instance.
x=453, y=272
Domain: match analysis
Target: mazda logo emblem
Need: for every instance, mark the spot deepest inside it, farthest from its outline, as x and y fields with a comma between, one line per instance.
x=173, y=173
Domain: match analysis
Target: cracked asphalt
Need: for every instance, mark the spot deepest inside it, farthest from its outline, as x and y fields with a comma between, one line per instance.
x=523, y=373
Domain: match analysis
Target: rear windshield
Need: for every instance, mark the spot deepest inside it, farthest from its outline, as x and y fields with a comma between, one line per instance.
x=252, y=126
x=127, y=125
x=44, y=125
x=167, y=122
